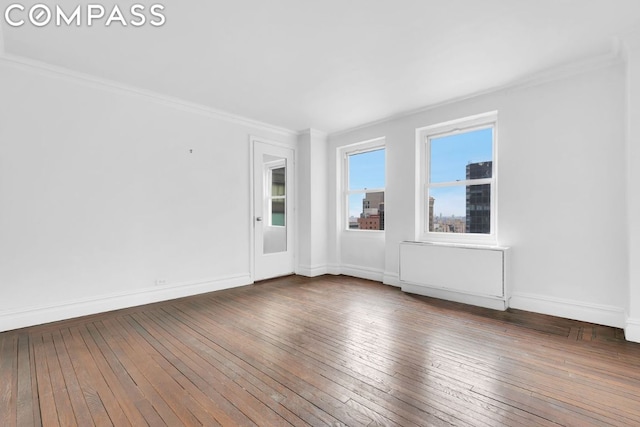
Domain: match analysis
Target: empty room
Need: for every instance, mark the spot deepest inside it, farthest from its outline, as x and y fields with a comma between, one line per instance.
x=320, y=213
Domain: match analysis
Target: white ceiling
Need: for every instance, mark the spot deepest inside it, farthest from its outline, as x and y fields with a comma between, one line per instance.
x=330, y=64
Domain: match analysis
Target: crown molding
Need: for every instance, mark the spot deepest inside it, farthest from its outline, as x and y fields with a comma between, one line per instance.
x=552, y=74
x=102, y=83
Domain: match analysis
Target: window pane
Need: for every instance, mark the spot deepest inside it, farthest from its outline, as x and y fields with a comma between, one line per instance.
x=460, y=209
x=278, y=182
x=461, y=156
x=447, y=210
x=278, y=212
x=478, y=204
x=366, y=170
x=366, y=211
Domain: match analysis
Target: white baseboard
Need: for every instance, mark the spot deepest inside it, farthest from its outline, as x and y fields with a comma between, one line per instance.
x=585, y=312
x=15, y=319
x=494, y=303
x=362, y=272
x=632, y=330
x=391, y=279
x=312, y=270
x=334, y=269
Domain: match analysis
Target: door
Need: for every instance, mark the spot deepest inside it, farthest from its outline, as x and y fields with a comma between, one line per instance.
x=273, y=210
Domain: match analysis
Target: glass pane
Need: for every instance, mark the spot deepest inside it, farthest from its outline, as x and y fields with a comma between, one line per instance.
x=274, y=237
x=461, y=156
x=278, y=212
x=460, y=209
x=278, y=182
x=366, y=170
x=274, y=240
x=366, y=211
x=478, y=204
x=447, y=210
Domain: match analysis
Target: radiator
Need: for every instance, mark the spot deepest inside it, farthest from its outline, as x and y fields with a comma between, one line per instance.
x=468, y=274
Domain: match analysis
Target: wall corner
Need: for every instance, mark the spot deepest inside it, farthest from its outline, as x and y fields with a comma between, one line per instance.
x=312, y=180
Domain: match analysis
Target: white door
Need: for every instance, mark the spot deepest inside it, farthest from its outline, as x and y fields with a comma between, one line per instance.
x=273, y=210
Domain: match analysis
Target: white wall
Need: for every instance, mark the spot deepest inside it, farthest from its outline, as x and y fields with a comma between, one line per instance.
x=561, y=190
x=1, y=40
x=312, y=211
x=632, y=45
x=104, y=191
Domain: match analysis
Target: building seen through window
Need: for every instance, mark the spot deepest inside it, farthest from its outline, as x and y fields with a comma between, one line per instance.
x=372, y=215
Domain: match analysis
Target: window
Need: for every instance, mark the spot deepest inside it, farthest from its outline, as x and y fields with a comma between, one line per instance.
x=364, y=166
x=458, y=180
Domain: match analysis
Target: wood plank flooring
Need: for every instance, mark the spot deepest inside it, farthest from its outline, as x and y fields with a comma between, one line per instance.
x=324, y=351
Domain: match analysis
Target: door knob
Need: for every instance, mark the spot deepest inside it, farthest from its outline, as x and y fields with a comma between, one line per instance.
x=259, y=218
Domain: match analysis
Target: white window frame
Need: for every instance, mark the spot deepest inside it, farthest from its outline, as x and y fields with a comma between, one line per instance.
x=424, y=136
x=359, y=148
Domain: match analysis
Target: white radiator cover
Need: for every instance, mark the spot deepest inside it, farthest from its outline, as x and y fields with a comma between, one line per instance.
x=468, y=274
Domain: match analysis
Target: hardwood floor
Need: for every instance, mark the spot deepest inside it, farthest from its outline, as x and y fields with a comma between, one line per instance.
x=324, y=351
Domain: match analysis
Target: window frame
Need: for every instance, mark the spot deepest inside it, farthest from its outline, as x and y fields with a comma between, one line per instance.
x=424, y=136
x=353, y=149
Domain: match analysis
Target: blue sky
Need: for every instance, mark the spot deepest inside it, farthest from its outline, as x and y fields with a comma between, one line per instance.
x=367, y=170
x=449, y=158
x=451, y=154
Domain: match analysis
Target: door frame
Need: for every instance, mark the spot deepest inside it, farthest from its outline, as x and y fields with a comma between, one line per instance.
x=292, y=220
